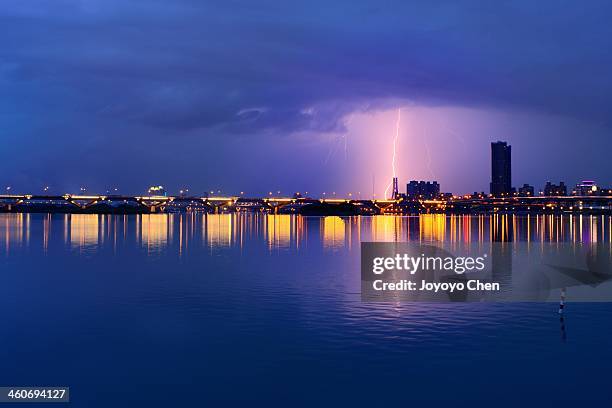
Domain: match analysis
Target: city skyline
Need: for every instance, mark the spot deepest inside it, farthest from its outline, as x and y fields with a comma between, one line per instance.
x=238, y=203
x=286, y=101
x=500, y=185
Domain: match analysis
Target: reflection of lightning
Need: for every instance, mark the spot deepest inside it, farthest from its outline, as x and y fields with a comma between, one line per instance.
x=397, y=129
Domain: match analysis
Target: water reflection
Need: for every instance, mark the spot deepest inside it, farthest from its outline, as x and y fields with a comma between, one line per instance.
x=12, y=228
x=154, y=231
x=157, y=232
x=84, y=229
x=385, y=228
x=279, y=229
x=217, y=228
x=334, y=231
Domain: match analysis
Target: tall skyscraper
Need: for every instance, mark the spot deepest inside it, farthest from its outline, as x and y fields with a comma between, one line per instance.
x=501, y=169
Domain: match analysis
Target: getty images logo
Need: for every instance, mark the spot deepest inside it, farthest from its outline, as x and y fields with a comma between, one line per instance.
x=412, y=264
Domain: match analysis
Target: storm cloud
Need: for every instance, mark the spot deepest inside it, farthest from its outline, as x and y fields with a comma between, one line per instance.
x=75, y=75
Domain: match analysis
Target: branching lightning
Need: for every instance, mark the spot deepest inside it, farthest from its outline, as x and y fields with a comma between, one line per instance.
x=397, y=131
x=337, y=140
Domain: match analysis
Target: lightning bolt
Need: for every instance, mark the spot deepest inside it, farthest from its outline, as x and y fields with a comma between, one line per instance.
x=397, y=130
x=337, y=140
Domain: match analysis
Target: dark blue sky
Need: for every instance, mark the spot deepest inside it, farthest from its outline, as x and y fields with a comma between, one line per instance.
x=279, y=95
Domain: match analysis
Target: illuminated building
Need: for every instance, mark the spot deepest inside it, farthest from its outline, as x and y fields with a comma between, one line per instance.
x=554, y=189
x=157, y=191
x=585, y=188
x=501, y=169
x=422, y=189
x=476, y=195
x=526, y=191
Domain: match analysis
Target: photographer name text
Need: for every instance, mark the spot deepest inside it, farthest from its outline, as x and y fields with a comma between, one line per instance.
x=423, y=285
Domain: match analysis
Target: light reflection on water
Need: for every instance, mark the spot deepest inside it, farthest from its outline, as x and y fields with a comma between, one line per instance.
x=157, y=232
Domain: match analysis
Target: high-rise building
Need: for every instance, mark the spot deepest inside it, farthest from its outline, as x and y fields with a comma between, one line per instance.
x=501, y=169
x=422, y=189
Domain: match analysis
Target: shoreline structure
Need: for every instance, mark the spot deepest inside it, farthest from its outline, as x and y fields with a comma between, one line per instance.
x=119, y=204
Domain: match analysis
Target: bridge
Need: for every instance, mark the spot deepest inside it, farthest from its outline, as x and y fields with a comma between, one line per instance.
x=78, y=203
x=121, y=204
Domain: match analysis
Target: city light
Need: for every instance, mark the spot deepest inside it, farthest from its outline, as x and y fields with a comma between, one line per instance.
x=421, y=196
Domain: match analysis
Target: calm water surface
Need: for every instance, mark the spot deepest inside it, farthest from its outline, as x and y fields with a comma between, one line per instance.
x=238, y=310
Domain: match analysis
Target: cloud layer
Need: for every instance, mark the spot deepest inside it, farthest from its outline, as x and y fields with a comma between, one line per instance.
x=77, y=74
